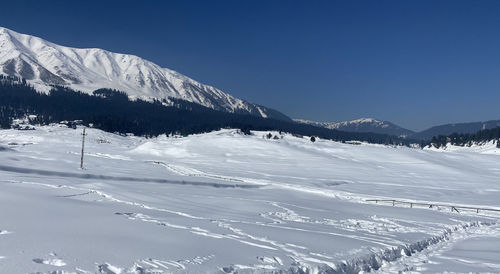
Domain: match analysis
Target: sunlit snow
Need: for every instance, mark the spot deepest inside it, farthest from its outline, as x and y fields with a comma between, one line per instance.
x=226, y=202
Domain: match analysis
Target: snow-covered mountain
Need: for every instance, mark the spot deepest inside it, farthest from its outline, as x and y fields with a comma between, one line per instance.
x=43, y=64
x=362, y=125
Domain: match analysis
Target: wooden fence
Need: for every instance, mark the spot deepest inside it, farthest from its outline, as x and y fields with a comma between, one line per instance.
x=433, y=205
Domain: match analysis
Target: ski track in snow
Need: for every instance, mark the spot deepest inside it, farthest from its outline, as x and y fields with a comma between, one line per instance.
x=342, y=195
x=107, y=197
x=148, y=265
x=238, y=235
x=286, y=215
x=410, y=259
x=397, y=264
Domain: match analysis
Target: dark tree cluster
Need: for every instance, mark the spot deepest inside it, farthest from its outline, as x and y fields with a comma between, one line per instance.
x=112, y=111
x=456, y=139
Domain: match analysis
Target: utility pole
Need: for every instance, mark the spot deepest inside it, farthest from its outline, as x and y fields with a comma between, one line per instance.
x=83, y=147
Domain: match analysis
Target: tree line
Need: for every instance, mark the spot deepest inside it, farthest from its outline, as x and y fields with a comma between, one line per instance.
x=112, y=111
x=480, y=137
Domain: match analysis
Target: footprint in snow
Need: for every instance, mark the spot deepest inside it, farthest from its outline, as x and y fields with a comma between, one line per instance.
x=110, y=269
x=52, y=260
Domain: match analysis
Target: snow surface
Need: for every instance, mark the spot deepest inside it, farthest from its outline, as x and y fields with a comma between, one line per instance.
x=225, y=202
x=43, y=64
x=484, y=148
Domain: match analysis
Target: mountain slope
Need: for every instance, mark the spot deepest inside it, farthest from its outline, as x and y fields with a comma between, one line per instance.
x=461, y=128
x=43, y=64
x=362, y=125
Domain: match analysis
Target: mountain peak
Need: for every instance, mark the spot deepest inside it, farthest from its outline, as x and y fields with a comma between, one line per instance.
x=43, y=64
x=364, y=120
x=4, y=30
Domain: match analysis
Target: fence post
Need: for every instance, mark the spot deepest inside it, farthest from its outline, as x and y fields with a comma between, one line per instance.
x=83, y=147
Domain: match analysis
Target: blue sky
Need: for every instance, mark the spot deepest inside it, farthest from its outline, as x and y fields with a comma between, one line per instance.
x=415, y=63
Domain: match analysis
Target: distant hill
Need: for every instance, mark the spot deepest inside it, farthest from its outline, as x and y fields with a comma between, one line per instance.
x=363, y=125
x=386, y=127
x=448, y=129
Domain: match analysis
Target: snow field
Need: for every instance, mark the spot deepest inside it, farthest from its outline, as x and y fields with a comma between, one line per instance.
x=224, y=202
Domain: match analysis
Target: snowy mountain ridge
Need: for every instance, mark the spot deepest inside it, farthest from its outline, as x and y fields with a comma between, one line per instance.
x=362, y=125
x=337, y=125
x=43, y=64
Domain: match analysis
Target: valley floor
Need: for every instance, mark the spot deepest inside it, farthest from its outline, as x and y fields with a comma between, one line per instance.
x=226, y=202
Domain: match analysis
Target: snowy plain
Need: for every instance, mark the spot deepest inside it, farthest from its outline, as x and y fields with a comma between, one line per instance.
x=223, y=202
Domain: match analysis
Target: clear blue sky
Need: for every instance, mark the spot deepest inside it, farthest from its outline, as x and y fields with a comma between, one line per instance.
x=415, y=63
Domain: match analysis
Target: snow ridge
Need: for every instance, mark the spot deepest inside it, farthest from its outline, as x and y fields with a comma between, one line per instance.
x=338, y=125
x=43, y=64
x=362, y=125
